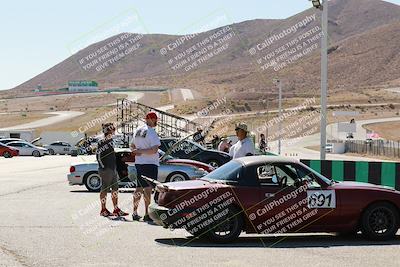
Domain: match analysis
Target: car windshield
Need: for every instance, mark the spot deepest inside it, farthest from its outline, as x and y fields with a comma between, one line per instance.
x=163, y=156
x=227, y=172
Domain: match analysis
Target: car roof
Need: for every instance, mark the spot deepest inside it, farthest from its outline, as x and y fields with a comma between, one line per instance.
x=24, y=142
x=265, y=159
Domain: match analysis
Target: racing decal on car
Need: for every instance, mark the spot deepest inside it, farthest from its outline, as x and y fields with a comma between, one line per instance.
x=321, y=199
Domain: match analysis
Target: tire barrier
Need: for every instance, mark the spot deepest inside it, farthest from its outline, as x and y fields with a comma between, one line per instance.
x=379, y=173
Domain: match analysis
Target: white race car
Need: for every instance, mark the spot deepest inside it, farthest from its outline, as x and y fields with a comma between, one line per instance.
x=59, y=147
x=28, y=149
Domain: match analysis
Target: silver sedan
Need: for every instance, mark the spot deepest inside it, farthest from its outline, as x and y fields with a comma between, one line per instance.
x=86, y=173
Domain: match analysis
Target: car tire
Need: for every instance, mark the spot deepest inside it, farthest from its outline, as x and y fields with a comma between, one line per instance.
x=36, y=153
x=214, y=163
x=51, y=151
x=92, y=182
x=7, y=154
x=380, y=221
x=231, y=224
x=177, y=177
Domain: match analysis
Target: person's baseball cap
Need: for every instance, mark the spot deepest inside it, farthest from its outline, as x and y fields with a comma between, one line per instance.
x=151, y=116
x=241, y=126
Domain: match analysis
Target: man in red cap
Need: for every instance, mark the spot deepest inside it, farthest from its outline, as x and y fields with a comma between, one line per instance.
x=145, y=145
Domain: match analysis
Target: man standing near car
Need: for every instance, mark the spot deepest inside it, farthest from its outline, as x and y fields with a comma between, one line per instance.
x=145, y=143
x=244, y=147
x=105, y=156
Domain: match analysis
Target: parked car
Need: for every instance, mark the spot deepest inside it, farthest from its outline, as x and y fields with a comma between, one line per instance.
x=270, y=195
x=59, y=147
x=187, y=149
x=329, y=148
x=8, y=152
x=28, y=149
x=86, y=173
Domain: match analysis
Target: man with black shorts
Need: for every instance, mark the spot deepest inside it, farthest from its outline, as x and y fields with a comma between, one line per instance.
x=108, y=171
x=145, y=145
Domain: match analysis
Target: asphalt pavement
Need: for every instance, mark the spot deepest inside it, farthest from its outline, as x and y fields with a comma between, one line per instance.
x=46, y=222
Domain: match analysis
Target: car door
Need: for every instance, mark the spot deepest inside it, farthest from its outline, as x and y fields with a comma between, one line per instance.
x=29, y=149
x=21, y=148
x=66, y=148
x=284, y=200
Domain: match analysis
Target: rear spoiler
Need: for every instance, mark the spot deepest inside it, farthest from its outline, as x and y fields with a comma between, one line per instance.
x=160, y=187
x=152, y=181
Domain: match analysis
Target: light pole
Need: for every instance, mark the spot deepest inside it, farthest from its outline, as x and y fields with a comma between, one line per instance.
x=279, y=83
x=324, y=71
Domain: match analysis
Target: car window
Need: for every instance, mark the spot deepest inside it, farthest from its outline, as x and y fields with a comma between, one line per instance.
x=27, y=145
x=286, y=174
x=308, y=176
x=266, y=175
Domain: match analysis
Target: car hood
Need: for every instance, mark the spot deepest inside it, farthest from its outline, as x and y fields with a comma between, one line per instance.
x=359, y=185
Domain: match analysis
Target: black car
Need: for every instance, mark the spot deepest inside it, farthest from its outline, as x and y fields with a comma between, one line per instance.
x=188, y=149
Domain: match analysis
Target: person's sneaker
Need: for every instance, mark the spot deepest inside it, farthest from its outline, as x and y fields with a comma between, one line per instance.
x=147, y=218
x=136, y=217
x=105, y=213
x=118, y=212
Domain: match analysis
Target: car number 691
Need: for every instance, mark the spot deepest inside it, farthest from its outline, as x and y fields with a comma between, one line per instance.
x=321, y=199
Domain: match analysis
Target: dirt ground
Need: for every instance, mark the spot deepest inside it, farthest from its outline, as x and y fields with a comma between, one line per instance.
x=8, y=120
x=386, y=130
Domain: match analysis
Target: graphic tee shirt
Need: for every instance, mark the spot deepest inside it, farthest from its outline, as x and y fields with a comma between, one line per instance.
x=105, y=154
x=242, y=148
x=146, y=137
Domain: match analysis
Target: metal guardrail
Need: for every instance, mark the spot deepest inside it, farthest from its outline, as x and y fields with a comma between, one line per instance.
x=379, y=173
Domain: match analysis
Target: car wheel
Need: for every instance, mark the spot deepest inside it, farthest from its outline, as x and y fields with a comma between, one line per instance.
x=93, y=182
x=380, y=221
x=51, y=151
x=36, y=153
x=7, y=154
x=228, y=229
x=177, y=177
x=214, y=163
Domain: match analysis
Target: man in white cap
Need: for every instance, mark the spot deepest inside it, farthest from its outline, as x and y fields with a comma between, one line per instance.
x=244, y=147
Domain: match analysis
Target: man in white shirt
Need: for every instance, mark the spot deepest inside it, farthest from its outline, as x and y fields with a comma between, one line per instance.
x=244, y=147
x=145, y=143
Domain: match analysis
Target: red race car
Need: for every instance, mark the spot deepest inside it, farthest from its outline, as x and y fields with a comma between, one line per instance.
x=8, y=152
x=264, y=195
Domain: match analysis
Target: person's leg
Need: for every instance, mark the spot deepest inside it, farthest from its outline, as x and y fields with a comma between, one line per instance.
x=147, y=198
x=114, y=197
x=103, y=199
x=136, y=198
x=105, y=187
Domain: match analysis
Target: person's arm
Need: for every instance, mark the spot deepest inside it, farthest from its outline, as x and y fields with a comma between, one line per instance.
x=250, y=149
x=149, y=151
x=154, y=143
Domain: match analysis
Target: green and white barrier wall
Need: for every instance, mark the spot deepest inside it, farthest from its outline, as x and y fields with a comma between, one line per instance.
x=379, y=173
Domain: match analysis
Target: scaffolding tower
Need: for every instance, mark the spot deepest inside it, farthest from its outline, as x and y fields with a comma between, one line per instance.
x=131, y=115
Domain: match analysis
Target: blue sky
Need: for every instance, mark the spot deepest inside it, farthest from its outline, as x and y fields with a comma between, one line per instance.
x=36, y=35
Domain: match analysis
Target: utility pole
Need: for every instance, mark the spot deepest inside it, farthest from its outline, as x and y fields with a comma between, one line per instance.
x=324, y=77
